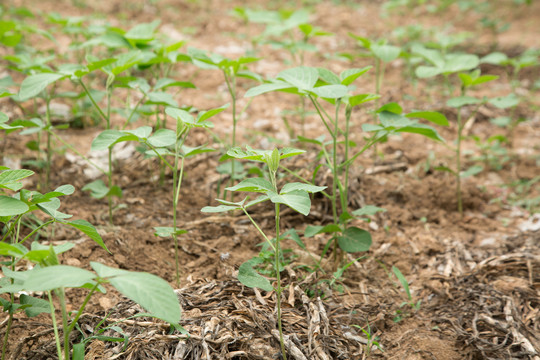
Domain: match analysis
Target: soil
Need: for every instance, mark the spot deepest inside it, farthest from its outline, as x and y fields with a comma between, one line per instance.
x=476, y=278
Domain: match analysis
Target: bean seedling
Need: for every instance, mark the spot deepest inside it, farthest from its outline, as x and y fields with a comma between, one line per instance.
x=321, y=84
x=293, y=195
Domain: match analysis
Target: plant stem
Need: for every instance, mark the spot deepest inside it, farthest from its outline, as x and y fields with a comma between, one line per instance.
x=175, y=238
x=231, y=85
x=37, y=229
x=335, y=179
x=177, y=182
x=277, y=255
x=133, y=111
x=96, y=106
x=8, y=328
x=259, y=230
x=458, y=158
x=81, y=309
x=61, y=297
x=110, y=182
x=55, y=326
x=49, y=155
x=110, y=149
x=11, y=227
x=378, y=81
x=279, y=288
x=458, y=164
x=345, y=196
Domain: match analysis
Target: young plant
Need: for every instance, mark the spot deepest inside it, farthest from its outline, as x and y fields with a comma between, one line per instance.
x=15, y=203
x=415, y=306
x=293, y=195
x=514, y=66
x=468, y=80
x=185, y=122
x=442, y=63
x=372, y=341
x=232, y=70
x=323, y=85
x=48, y=275
x=381, y=52
x=151, y=292
x=35, y=86
x=292, y=32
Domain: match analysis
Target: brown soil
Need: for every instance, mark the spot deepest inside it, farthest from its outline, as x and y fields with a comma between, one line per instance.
x=476, y=277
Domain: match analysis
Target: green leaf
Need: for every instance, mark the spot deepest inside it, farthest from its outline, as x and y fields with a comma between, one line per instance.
x=188, y=151
x=36, y=306
x=219, y=208
x=10, y=206
x=386, y=53
x=108, y=138
x=495, y=58
x=331, y=91
x=427, y=71
x=501, y=121
x=292, y=234
x=34, y=84
x=9, y=176
x=368, y=210
x=393, y=120
x=288, y=152
x=302, y=77
x=89, y=230
x=460, y=62
x=60, y=191
x=301, y=186
x=162, y=138
x=356, y=100
x=505, y=102
x=354, y=240
x=78, y=350
x=141, y=133
x=142, y=32
x=403, y=281
x=297, y=200
x=460, y=101
x=259, y=185
x=167, y=231
x=433, y=116
x=161, y=98
x=205, y=115
x=435, y=57
x=312, y=230
x=484, y=79
x=57, y=276
x=422, y=129
x=180, y=115
x=371, y=127
x=97, y=188
x=251, y=278
x=58, y=249
x=12, y=250
x=348, y=76
x=473, y=170
x=391, y=107
x=164, y=83
x=328, y=76
x=268, y=87
x=151, y=292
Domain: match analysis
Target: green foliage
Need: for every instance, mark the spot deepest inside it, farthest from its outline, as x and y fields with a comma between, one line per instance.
x=294, y=195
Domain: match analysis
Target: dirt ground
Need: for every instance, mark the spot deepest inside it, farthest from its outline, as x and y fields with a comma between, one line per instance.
x=477, y=278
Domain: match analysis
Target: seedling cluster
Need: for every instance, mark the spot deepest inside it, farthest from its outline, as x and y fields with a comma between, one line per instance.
x=140, y=66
